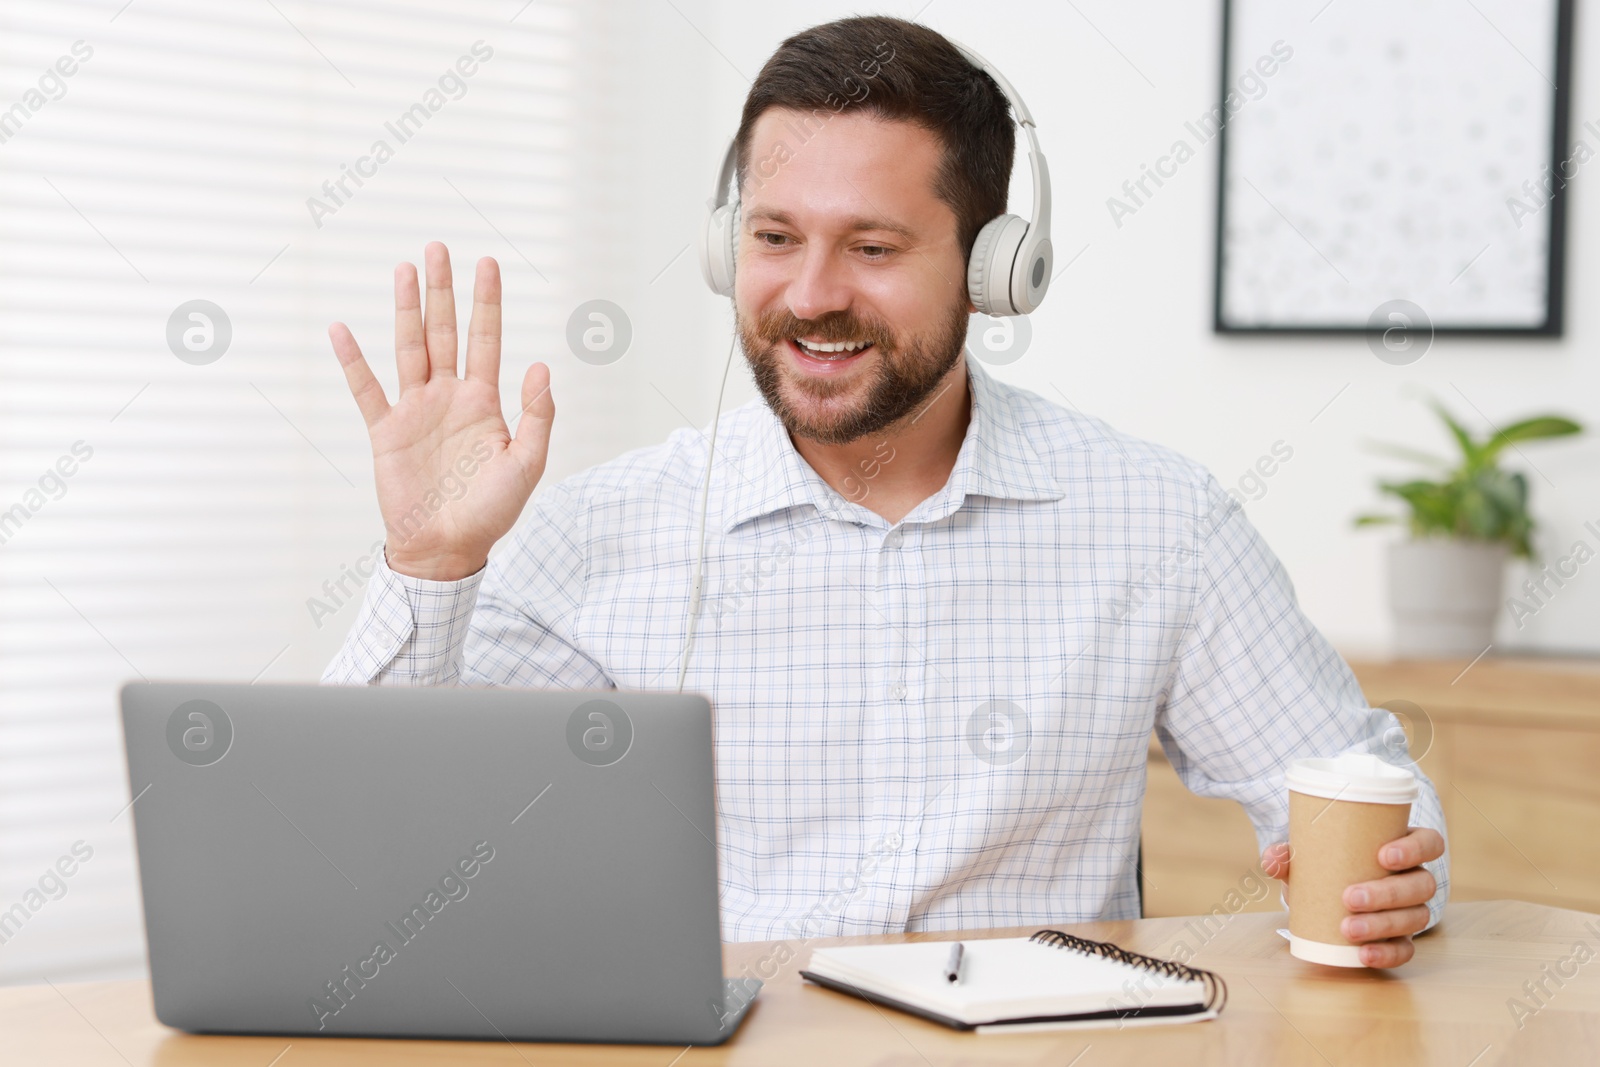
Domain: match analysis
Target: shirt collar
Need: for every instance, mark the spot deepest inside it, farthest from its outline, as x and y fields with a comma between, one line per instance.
x=768, y=475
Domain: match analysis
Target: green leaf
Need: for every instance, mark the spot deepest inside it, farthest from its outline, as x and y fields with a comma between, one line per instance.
x=1419, y=493
x=1476, y=516
x=1376, y=520
x=1541, y=426
x=1534, y=429
x=1433, y=507
x=1469, y=448
x=1503, y=491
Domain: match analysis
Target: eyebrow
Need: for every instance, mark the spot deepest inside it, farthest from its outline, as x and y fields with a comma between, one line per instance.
x=859, y=224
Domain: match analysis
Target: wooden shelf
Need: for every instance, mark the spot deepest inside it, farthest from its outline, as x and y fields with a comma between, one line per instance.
x=1559, y=694
x=1511, y=745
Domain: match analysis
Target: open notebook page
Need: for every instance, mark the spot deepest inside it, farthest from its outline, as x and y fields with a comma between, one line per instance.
x=1004, y=978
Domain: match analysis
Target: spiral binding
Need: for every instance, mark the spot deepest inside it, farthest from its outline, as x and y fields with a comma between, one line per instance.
x=1216, y=989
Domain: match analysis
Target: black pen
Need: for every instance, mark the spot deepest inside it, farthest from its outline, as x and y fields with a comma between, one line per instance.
x=952, y=969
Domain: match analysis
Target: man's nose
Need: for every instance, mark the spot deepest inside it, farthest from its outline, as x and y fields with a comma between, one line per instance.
x=821, y=284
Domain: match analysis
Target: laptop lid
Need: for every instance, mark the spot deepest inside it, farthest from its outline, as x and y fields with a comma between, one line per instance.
x=472, y=863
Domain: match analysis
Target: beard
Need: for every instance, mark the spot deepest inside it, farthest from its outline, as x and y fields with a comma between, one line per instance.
x=907, y=370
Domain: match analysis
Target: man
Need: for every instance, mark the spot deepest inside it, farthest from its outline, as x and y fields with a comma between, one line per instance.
x=941, y=615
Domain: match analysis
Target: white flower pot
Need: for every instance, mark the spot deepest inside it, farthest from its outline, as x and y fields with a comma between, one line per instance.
x=1444, y=594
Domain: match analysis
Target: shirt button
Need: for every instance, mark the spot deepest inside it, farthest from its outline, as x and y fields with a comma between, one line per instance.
x=897, y=691
x=892, y=539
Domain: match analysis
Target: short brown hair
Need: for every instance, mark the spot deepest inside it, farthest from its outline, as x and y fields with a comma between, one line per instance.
x=897, y=70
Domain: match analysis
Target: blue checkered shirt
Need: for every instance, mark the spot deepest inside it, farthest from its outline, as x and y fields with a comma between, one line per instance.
x=934, y=724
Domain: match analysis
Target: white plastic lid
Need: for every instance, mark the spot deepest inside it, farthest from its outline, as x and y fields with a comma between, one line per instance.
x=1354, y=776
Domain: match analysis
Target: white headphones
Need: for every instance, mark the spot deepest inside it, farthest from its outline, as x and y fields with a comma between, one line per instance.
x=1008, y=271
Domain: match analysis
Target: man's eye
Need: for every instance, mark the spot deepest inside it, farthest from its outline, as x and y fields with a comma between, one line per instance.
x=874, y=251
x=772, y=240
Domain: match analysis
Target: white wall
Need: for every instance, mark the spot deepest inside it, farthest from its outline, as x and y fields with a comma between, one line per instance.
x=1126, y=331
x=191, y=544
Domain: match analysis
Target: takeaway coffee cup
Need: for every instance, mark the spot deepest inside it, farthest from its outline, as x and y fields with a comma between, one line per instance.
x=1341, y=812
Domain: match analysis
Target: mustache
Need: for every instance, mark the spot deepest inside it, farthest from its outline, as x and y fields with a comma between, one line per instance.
x=782, y=324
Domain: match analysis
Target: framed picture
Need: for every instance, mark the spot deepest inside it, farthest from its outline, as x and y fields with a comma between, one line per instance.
x=1387, y=163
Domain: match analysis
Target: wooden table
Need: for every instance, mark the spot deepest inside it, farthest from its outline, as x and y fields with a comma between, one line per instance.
x=1447, y=1007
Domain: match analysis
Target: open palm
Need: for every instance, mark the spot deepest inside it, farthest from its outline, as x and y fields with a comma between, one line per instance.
x=451, y=479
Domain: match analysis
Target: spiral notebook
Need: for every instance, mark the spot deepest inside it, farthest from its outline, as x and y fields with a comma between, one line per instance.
x=1050, y=981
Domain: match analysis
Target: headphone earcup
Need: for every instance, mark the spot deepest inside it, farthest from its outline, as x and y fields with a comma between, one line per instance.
x=994, y=251
x=1030, y=275
x=719, y=246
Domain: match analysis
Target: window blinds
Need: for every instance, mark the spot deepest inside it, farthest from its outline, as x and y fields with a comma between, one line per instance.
x=176, y=174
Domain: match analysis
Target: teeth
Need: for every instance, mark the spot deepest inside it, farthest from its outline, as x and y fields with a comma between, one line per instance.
x=838, y=346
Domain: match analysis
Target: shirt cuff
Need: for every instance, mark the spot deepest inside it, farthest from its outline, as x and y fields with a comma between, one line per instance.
x=411, y=631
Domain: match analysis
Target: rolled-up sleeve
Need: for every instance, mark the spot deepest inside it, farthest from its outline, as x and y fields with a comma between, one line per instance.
x=1254, y=685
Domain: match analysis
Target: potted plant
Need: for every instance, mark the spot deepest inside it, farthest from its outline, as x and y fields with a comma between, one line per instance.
x=1445, y=580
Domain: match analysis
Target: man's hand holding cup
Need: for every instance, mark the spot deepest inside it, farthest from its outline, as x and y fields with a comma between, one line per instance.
x=1360, y=890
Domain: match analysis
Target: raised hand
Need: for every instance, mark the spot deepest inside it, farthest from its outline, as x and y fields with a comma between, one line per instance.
x=451, y=479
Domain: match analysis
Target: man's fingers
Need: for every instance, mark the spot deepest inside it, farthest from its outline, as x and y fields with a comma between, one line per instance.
x=439, y=320
x=1391, y=891
x=410, y=352
x=363, y=386
x=538, y=414
x=1275, y=860
x=1419, y=846
x=1388, y=953
x=1384, y=925
x=483, y=332
x=537, y=403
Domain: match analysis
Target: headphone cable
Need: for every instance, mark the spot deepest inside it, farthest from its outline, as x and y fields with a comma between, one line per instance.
x=705, y=503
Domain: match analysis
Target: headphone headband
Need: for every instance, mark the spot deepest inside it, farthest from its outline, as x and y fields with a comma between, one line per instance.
x=1039, y=223
x=730, y=160
x=1008, y=266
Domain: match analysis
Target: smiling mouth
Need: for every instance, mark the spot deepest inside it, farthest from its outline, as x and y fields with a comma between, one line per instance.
x=831, y=351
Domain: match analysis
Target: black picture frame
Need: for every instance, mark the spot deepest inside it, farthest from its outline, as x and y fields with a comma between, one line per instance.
x=1555, y=274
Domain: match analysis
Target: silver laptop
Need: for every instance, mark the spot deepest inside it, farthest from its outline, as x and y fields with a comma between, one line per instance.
x=446, y=863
